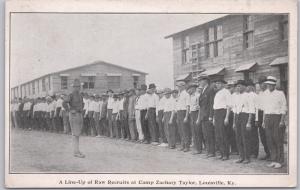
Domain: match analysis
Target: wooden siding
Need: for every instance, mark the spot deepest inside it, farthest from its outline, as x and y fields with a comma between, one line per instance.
x=268, y=45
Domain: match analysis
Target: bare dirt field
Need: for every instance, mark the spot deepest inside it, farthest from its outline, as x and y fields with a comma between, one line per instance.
x=37, y=151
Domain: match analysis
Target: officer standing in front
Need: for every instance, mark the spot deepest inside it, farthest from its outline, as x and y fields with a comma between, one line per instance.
x=75, y=108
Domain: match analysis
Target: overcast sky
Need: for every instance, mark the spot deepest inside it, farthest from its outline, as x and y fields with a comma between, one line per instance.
x=44, y=43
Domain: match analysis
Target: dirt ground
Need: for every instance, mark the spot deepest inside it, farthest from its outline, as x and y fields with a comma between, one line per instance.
x=37, y=151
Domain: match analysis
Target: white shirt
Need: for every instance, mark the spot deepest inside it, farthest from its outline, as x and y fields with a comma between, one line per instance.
x=110, y=103
x=233, y=98
x=52, y=106
x=275, y=103
x=239, y=103
x=43, y=106
x=161, y=102
x=115, y=106
x=222, y=98
x=260, y=99
x=194, y=102
x=153, y=100
x=143, y=102
x=27, y=106
x=250, y=105
x=183, y=100
x=86, y=103
x=169, y=104
x=121, y=104
x=94, y=106
x=59, y=103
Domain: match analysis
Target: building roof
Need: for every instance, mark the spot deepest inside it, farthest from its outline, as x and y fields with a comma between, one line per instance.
x=194, y=27
x=213, y=71
x=183, y=77
x=246, y=67
x=86, y=65
x=280, y=61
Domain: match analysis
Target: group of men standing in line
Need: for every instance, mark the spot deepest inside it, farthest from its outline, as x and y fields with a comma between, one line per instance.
x=212, y=117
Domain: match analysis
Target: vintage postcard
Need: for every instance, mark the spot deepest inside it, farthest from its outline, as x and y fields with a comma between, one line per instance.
x=150, y=94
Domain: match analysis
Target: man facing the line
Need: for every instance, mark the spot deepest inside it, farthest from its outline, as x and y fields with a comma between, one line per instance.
x=75, y=108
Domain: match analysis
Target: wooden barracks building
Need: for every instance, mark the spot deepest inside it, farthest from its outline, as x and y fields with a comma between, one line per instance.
x=234, y=47
x=96, y=77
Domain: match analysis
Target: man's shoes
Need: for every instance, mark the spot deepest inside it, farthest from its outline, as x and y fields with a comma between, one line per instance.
x=79, y=155
x=271, y=165
x=181, y=149
x=196, y=152
x=225, y=158
x=247, y=161
x=155, y=143
x=210, y=156
x=172, y=147
x=220, y=157
x=239, y=161
x=163, y=145
x=186, y=150
x=266, y=157
x=277, y=165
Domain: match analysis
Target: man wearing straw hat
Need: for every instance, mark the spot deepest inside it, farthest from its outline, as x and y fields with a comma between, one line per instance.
x=75, y=108
x=274, y=109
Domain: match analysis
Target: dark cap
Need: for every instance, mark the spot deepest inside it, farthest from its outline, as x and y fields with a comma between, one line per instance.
x=241, y=82
x=203, y=77
x=262, y=79
x=76, y=83
x=151, y=86
x=143, y=87
x=175, y=91
x=109, y=90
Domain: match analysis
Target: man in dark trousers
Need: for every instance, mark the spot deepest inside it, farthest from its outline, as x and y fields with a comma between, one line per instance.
x=74, y=104
x=259, y=116
x=221, y=118
x=205, y=115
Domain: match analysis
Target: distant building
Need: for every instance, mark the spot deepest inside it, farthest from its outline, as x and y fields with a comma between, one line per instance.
x=234, y=47
x=95, y=78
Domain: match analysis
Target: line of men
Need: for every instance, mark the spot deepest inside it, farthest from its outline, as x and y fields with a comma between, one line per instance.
x=212, y=117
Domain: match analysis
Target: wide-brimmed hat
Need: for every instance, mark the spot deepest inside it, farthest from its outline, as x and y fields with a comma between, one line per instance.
x=76, y=83
x=192, y=85
x=203, y=77
x=180, y=83
x=151, y=86
x=271, y=80
x=241, y=82
x=230, y=83
x=220, y=80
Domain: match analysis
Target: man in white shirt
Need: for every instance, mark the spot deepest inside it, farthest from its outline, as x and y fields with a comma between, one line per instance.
x=254, y=140
x=26, y=111
x=183, y=108
x=232, y=139
x=96, y=116
x=159, y=118
x=221, y=108
x=153, y=100
x=115, y=116
x=90, y=114
x=137, y=114
x=197, y=135
x=143, y=106
x=65, y=116
x=275, y=109
x=244, y=111
x=168, y=118
x=261, y=91
x=109, y=111
x=121, y=100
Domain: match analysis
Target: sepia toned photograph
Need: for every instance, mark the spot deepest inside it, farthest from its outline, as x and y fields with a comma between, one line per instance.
x=148, y=94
